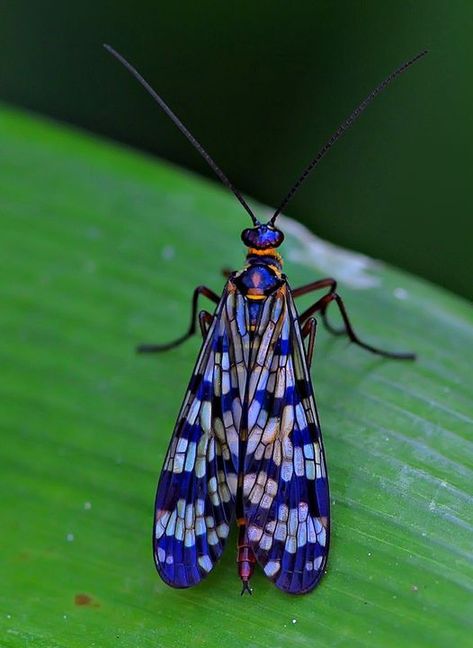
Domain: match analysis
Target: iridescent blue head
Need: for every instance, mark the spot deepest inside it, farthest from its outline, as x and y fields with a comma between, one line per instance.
x=262, y=237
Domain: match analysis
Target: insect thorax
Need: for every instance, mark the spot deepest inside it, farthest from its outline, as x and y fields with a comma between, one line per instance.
x=261, y=275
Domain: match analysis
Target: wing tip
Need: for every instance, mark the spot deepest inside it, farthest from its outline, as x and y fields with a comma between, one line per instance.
x=179, y=576
x=300, y=585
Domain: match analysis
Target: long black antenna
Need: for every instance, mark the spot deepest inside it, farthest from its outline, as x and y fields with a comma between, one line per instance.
x=183, y=129
x=344, y=126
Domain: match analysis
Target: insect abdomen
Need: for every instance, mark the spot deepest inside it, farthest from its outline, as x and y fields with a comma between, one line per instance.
x=246, y=559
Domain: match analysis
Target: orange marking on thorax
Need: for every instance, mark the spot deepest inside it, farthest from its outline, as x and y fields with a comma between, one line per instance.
x=255, y=293
x=268, y=252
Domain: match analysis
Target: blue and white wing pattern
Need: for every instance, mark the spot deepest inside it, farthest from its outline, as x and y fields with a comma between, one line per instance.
x=195, y=501
x=285, y=486
x=259, y=381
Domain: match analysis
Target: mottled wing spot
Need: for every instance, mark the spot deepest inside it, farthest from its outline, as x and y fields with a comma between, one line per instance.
x=205, y=563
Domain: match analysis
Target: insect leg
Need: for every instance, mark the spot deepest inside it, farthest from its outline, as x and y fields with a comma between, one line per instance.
x=156, y=348
x=328, y=282
x=321, y=306
x=205, y=320
x=308, y=330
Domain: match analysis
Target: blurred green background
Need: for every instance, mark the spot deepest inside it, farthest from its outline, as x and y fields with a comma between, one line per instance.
x=262, y=85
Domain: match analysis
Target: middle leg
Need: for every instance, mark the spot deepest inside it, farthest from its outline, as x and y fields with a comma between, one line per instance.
x=157, y=348
x=308, y=330
x=321, y=306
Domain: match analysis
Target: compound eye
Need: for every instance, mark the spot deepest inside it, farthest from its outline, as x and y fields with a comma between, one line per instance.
x=278, y=237
x=246, y=237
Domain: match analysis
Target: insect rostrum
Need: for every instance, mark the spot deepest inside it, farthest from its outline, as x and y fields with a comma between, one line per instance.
x=247, y=445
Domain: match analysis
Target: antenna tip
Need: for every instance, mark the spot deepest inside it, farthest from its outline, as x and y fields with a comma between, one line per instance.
x=420, y=55
x=111, y=50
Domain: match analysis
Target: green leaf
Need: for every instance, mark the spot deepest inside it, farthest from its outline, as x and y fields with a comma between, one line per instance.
x=101, y=248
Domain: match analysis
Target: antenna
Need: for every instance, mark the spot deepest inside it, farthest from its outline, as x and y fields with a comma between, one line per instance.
x=342, y=129
x=183, y=129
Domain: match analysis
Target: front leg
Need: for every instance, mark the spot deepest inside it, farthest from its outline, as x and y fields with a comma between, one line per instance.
x=156, y=348
x=320, y=284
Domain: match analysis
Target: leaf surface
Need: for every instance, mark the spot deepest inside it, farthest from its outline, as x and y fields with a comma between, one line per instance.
x=101, y=248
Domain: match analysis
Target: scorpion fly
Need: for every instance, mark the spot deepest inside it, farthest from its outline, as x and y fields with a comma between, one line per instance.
x=247, y=444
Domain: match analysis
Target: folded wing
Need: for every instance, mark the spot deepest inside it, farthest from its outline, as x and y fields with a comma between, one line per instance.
x=285, y=488
x=195, y=501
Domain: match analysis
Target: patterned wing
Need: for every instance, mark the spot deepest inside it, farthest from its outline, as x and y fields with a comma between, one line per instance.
x=195, y=500
x=285, y=488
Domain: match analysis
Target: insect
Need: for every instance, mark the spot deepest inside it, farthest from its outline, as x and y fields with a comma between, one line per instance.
x=247, y=444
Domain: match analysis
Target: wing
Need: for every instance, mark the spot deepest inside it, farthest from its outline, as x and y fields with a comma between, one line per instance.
x=285, y=488
x=195, y=500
